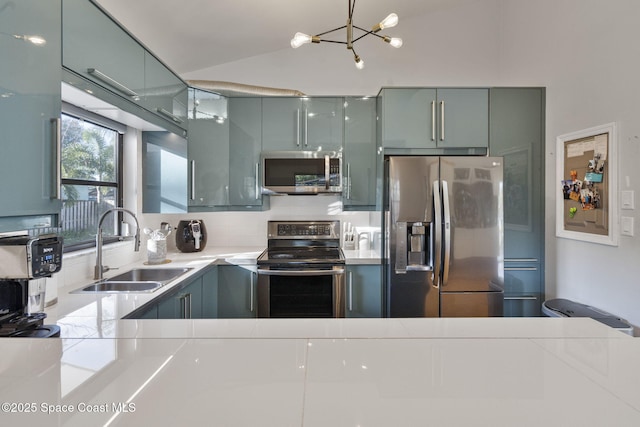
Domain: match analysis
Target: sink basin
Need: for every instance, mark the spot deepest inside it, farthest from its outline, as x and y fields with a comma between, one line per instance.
x=135, y=280
x=162, y=275
x=114, y=286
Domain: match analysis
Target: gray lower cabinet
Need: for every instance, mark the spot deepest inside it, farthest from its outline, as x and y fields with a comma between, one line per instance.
x=30, y=105
x=359, y=161
x=291, y=123
x=517, y=134
x=418, y=118
x=237, y=296
x=364, y=291
x=194, y=299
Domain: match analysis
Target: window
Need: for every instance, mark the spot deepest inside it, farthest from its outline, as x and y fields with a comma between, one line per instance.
x=91, y=180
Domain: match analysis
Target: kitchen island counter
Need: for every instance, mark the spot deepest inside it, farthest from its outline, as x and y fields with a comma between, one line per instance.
x=338, y=372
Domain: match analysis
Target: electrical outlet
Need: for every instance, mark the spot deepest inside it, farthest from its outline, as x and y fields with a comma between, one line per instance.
x=626, y=228
x=627, y=199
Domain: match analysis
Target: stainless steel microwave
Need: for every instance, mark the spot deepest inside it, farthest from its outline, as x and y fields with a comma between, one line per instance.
x=301, y=172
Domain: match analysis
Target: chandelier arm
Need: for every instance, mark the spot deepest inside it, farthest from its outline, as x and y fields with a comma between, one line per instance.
x=332, y=41
x=331, y=31
x=351, y=8
x=367, y=32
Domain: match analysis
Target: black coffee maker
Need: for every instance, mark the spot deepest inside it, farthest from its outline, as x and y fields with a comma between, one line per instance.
x=191, y=235
x=24, y=263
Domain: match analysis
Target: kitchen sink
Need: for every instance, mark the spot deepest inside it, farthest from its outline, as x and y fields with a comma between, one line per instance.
x=162, y=275
x=115, y=286
x=135, y=280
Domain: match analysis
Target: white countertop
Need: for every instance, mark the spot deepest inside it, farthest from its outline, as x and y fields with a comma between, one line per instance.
x=335, y=372
x=315, y=372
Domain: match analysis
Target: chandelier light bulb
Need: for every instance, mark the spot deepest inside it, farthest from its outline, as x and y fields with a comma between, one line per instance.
x=390, y=21
x=359, y=63
x=299, y=39
x=394, y=41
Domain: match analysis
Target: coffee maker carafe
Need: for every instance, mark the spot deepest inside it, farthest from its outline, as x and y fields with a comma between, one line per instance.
x=24, y=263
x=191, y=235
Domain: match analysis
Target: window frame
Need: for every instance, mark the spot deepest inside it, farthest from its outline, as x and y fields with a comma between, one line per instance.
x=72, y=111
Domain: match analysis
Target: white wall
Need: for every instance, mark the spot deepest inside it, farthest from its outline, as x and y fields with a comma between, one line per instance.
x=586, y=53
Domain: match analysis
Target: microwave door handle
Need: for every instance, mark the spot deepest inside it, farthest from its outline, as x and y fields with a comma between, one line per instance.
x=327, y=172
x=437, y=220
x=447, y=233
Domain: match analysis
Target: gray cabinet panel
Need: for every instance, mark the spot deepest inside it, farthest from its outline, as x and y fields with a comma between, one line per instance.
x=359, y=163
x=419, y=118
x=517, y=134
x=465, y=116
x=407, y=120
x=92, y=41
x=364, y=291
x=245, y=144
x=210, y=294
x=164, y=92
x=164, y=172
x=186, y=303
x=208, y=149
x=302, y=124
x=236, y=292
x=30, y=76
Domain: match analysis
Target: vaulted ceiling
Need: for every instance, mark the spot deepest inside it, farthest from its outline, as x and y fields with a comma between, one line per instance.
x=190, y=35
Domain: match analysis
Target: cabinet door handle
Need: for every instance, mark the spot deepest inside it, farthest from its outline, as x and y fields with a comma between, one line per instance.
x=306, y=128
x=433, y=120
x=193, y=180
x=441, y=120
x=350, y=291
x=57, y=166
x=348, y=181
x=112, y=82
x=298, y=127
x=257, y=181
x=169, y=115
x=251, y=293
x=525, y=298
x=520, y=269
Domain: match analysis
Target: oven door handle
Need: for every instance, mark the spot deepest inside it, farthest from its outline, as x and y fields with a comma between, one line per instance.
x=301, y=272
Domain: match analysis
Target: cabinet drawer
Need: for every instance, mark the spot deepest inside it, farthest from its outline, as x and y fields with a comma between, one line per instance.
x=522, y=279
x=523, y=305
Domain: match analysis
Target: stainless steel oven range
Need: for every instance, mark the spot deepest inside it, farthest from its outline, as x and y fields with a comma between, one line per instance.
x=301, y=273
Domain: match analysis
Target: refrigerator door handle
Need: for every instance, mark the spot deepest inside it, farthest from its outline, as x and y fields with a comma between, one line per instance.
x=437, y=221
x=447, y=233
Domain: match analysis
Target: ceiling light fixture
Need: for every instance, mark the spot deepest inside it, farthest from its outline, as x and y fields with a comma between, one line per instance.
x=390, y=21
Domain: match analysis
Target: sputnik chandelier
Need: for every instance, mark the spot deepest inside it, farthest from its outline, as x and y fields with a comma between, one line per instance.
x=390, y=21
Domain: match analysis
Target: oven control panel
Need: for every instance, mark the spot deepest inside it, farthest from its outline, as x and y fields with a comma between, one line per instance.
x=304, y=229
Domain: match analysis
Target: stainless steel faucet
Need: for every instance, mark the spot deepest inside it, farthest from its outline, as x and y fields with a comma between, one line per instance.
x=99, y=268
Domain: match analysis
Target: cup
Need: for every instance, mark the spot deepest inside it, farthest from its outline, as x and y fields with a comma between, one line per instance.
x=156, y=251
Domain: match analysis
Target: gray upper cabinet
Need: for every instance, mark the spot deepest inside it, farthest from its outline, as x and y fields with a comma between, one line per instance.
x=30, y=106
x=98, y=49
x=314, y=124
x=164, y=93
x=517, y=134
x=417, y=118
x=359, y=162
x=164, y=172
x=245, y=144
x=208, y=149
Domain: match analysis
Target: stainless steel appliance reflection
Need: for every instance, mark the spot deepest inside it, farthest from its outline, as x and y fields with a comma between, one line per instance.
x=301, y=273
x=24, y=263
x=443, y=222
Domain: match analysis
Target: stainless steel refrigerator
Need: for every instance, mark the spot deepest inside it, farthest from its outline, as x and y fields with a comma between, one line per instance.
x=443, y=220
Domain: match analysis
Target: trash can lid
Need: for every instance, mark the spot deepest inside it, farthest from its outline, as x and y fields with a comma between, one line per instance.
x=568, y=308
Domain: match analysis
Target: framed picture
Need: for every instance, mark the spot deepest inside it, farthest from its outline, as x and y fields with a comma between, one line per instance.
x=587, y=185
